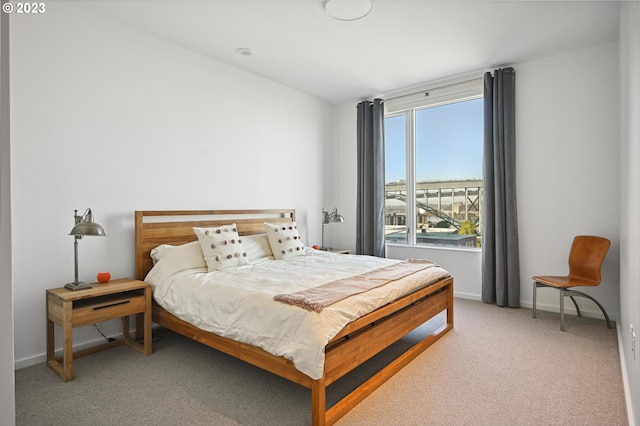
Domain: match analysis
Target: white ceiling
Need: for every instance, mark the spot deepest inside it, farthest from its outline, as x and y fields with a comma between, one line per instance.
x=401, y=43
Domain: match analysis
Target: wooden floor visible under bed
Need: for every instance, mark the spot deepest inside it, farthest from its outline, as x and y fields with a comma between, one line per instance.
x=355, y=344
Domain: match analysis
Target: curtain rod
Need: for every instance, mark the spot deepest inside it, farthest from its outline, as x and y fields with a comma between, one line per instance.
x=431, y=86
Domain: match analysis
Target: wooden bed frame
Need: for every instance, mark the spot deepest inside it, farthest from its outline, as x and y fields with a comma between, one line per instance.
x=356, y=343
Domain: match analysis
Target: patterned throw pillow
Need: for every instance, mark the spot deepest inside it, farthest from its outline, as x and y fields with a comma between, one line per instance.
x=284, y=240
x=221, y=246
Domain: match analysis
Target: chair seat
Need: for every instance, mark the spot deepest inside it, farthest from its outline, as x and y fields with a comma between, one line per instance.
x=563, y=281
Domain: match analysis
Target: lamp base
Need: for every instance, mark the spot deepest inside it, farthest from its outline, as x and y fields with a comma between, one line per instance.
x=78, y=286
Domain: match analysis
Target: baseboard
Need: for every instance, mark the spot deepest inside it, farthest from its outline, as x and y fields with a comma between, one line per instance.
x=625, y=379
x=569, y=309
x=42, y=358
x=469, y=296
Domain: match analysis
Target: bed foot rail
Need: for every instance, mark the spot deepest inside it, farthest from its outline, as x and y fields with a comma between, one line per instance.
x=342, y=407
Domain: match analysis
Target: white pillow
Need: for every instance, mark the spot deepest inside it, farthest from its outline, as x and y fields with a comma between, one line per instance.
x=159, y=252
x=172, y=259
x=284, y=240
x=257, y=247
x=221, y=247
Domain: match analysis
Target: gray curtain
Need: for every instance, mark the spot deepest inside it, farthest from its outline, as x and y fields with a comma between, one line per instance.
x=370, y=200
x=500, y=253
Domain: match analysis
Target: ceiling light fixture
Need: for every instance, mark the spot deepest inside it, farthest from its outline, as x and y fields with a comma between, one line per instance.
x=348, y=10
x=245, y=51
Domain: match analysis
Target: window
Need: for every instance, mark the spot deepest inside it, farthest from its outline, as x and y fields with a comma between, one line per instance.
x=433, y=166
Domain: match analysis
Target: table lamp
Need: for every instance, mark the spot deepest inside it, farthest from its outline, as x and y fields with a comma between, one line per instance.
x=84, y=227
x=327, y=218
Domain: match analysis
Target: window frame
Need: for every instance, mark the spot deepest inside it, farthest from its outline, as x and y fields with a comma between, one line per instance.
x=408, y=105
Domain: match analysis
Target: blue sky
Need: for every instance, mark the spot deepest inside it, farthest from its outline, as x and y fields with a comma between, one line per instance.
x=448, y=143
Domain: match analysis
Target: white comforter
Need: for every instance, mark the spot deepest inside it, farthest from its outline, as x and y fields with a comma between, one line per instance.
x=238, y=302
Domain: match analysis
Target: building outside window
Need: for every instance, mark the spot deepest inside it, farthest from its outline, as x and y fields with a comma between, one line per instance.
x=433, y=166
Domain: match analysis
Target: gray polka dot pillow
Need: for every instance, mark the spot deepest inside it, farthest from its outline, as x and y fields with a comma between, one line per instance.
x=284, y=240
x=222, y=247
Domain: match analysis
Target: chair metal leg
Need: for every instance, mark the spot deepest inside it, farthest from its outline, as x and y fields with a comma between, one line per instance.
x=576, y=305
x=561, y=309
x=565, y=292
x=535, y=288
x=579, y=293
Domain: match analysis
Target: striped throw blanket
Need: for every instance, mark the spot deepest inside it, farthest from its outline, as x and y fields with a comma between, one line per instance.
x=317, y=298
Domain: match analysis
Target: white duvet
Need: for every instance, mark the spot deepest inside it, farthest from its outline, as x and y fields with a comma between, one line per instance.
x=238, y=302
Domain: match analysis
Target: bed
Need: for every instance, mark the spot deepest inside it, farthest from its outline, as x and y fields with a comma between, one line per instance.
x=354, y=342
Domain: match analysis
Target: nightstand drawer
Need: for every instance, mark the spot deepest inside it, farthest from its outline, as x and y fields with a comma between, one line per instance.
x=103, y=308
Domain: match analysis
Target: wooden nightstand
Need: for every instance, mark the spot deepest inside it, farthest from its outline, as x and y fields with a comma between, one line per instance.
x=116, y=299
x=340, y=251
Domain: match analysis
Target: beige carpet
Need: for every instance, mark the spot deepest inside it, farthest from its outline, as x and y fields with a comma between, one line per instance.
x=498, y=366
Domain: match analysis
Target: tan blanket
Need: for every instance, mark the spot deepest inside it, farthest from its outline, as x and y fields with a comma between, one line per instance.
x=317, y=298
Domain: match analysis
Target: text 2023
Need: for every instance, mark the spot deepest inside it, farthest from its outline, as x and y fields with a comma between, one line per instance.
x=30, y=8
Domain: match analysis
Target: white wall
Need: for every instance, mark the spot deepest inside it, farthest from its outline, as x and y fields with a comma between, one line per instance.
x=568, y=161
x=110, y=118
x=630, y=203
x=7, y=385
x=568, y=156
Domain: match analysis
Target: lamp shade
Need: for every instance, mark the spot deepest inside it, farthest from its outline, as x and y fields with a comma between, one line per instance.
x=85, y=226
x=88, y=229
x=336, y=218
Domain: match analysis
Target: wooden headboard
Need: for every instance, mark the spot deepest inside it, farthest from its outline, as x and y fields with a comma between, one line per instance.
x=155, y=227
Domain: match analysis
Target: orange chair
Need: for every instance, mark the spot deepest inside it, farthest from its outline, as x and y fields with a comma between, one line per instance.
x=585, y=260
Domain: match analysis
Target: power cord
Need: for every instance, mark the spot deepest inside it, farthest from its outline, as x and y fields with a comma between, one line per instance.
x=109, y=339
x=154, y=339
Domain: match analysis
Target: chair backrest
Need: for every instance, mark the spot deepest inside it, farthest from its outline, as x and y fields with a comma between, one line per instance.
x=586, y=257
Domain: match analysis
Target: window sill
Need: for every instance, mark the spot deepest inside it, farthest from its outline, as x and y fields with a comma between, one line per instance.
x=435, y=247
